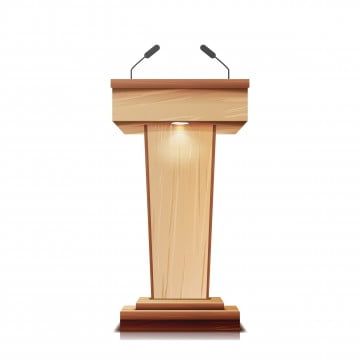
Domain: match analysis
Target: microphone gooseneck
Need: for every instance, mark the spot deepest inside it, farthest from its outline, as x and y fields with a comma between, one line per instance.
x=147, y=55
x=212, y=55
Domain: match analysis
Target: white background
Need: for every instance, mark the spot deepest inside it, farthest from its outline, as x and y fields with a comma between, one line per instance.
x=73, y=228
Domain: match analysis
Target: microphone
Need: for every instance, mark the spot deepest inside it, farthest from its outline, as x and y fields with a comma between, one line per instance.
x=212, y=55
x=152, y=51
x=147, y=55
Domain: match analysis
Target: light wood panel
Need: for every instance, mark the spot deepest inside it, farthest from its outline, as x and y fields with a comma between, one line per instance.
x=180, y=181
x=208, y=105
x=214, y=303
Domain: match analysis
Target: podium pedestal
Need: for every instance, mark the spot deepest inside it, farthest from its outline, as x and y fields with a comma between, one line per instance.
x=180, y=120
x=180, y=315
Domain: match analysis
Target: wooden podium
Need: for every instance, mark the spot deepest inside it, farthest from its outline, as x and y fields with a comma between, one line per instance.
x=180, y=120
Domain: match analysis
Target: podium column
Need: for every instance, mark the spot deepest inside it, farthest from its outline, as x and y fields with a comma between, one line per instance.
x=180, y=168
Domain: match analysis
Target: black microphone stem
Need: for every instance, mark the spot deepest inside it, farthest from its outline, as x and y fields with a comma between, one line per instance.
x=131, y=70
x=228, y=70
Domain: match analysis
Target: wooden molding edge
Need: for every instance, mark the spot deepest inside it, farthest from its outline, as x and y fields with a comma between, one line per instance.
x=133, y=127
x=132, y=320
x=214, y=303
x=180, y=84
x=180, y=326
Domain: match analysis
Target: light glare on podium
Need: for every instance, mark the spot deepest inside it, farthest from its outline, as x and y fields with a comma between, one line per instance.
x=179, y=123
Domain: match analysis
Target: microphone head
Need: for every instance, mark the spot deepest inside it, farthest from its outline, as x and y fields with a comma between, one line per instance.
x=152, y=51
x=208, y=51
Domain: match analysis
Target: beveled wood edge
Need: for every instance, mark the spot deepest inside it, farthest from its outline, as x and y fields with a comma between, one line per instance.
x=211, y=207
x=228, y=313
x=180, y=84
x=148, y=208
x=145, y=303
x=137, y=127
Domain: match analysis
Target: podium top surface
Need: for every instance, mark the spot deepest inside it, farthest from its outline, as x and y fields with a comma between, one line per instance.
x=180, y=84
x=145, y=101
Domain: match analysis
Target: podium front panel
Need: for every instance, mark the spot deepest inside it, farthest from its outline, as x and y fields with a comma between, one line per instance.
x=180, y=166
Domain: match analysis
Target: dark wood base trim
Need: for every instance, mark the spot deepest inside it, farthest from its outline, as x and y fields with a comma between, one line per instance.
x=232, y=325
x=227, y=319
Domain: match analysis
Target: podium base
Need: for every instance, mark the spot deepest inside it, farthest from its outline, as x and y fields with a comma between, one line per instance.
x=190, y=320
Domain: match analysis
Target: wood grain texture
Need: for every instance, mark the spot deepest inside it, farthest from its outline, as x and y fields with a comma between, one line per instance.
x=180, y=160
x=214, y=303
x=229, y=313
x=208, y=105
x=180, y=83
x=227, y=325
